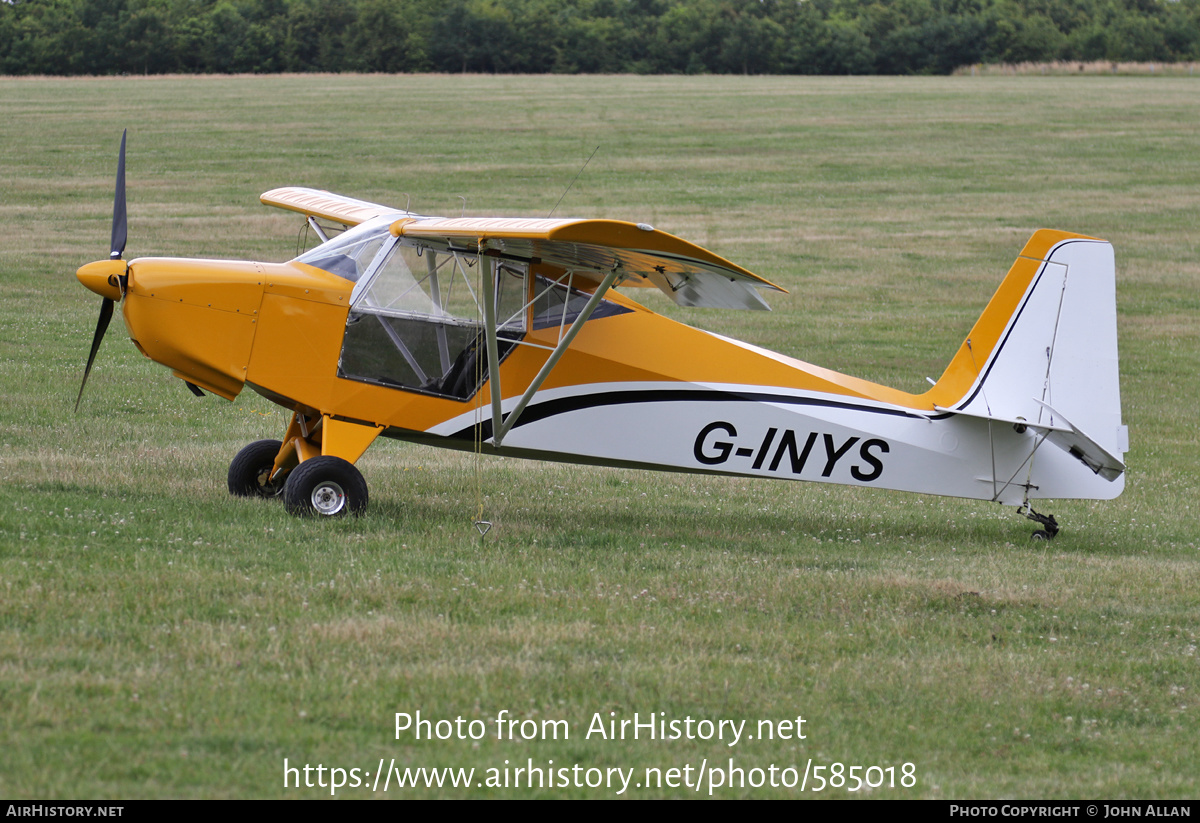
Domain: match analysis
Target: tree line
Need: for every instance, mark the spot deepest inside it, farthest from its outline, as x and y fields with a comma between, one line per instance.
x=100, y=37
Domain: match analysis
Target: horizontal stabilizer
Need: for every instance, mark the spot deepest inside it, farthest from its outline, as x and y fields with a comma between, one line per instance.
x=1013, y=421
x=1065, y=435
x=1071, y=440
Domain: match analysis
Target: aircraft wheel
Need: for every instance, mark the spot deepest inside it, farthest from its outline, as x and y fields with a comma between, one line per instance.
x=326, y=486
x=251, y=468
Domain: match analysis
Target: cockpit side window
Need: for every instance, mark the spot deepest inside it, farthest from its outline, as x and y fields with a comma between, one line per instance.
x=416, y=321
x=416, y=312
x=558, y=304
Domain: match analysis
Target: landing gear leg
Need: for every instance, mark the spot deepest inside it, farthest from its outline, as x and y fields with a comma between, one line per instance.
x=1047, y=520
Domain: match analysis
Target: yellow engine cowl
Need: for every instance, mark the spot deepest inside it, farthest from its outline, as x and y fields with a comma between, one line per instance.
x=197, y=317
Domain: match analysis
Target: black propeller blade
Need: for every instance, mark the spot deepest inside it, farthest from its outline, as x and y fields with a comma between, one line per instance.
x=120, y=233
x=106, y=313
x=120, y=228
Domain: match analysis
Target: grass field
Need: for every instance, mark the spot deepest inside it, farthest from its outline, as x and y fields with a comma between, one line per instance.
x=160, y=639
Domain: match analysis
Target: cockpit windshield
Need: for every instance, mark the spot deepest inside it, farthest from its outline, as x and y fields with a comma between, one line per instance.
x=349, y=255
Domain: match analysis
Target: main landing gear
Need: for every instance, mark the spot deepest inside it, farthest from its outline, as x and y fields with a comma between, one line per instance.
x=250, y=471
x=301, y=470
x=328, y=486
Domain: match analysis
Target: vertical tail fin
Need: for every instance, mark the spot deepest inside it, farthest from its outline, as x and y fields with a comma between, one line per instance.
x=1044, y=354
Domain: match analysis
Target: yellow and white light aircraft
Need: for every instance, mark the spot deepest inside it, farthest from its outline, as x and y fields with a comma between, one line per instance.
x=507, y=336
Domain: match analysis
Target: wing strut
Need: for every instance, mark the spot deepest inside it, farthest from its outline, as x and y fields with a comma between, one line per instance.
x=501, y=424
x=312, y=222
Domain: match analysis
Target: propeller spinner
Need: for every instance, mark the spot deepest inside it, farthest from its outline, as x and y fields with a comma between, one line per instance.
x=107, y=278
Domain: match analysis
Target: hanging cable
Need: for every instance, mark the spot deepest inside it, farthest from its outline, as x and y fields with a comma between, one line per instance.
x=481, y=525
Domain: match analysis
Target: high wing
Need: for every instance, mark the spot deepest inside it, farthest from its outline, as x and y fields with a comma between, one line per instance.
x=325, y=205
x=642, y=255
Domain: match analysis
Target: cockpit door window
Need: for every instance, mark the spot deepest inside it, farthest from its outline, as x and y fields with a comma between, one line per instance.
x=416, y=319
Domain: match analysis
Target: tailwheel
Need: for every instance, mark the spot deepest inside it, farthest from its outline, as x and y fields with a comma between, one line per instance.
x=327, y=486
x=1047, y=520
x=250, y=471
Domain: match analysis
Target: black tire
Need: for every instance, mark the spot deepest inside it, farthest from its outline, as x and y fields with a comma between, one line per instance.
x=326, y=486
x=250, y=468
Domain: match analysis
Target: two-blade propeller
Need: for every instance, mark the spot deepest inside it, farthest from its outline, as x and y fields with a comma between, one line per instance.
x=120, y=229
x=120, y=233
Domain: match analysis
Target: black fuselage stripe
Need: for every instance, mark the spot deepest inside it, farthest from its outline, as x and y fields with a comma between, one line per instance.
x=566, y=405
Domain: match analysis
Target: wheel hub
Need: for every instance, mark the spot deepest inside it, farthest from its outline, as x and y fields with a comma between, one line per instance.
x=328, y=498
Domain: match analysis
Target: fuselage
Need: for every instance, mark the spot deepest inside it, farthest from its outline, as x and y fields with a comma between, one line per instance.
x=634, y=388
x=507, y=335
